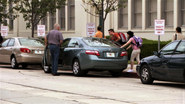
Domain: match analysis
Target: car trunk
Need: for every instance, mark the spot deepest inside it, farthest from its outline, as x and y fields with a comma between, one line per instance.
x=109, y=52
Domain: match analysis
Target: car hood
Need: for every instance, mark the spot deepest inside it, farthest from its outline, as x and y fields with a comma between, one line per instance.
x=147, y=58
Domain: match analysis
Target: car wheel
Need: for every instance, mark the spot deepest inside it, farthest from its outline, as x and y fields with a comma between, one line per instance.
x=24, y=66
x=47, y=69
x=14, y=64
x=116, y=74
x=76, y=68
x=145, y=75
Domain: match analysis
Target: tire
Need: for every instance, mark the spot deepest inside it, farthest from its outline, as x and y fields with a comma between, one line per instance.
x=145, y=75
x=116, y=74
x=24, y=66
x=14, y=64
x=47, y=69
x=76, y=68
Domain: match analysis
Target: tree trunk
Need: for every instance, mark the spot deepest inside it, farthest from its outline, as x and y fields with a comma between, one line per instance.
x=32, y=30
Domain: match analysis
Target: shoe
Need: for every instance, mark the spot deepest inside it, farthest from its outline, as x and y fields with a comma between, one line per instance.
x=130, y=70
x=57, y=74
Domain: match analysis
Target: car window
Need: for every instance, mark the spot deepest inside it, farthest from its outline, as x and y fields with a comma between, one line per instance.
x=65, y=42
x=169, y=49
x=11, y=43
x=31, y=42
x=73, y=43
x=5, y=43
x=96, y=42
x=181, y=48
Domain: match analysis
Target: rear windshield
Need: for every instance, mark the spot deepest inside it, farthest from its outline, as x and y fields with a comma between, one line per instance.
x=96, y=42
x=31, y=42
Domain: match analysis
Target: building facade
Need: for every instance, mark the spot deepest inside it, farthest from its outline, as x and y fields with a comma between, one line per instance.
x=138, y=16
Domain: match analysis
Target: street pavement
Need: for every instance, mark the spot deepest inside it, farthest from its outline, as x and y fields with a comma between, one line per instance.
x=130, y=74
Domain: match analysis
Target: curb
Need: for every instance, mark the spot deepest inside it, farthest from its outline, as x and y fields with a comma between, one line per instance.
x=129, y=74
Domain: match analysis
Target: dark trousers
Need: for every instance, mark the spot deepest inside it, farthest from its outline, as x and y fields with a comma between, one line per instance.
x=54, y=50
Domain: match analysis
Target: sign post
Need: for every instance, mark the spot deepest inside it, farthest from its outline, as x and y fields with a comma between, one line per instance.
x=90, y=29
x=159, y=29
x=4, y=31
x=41, y=30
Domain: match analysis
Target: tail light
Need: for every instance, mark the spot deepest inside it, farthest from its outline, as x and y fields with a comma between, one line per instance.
x=91, y=52
x=123, y=54
x=25, y=50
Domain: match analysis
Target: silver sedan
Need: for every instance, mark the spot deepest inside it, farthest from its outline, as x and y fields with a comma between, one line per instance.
x=21, y=51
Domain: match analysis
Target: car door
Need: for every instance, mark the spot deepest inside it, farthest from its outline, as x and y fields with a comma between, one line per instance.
x=177, y=62
x=159, y=63
x=9, y=49
x=3, y=51
x=62, y=60
x=70, y=51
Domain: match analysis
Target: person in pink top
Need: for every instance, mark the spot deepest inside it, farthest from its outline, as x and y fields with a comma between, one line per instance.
x=136, y=50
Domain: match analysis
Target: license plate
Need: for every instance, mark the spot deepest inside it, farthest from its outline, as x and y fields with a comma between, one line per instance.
x=38, y=52
x=110, y=54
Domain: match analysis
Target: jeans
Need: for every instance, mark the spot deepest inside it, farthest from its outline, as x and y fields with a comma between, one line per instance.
x=54, y=50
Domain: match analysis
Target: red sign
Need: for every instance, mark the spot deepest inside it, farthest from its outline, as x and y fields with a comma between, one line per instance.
x=41, y=30
x=90, y=29
x=159, y=27
x=4, y=30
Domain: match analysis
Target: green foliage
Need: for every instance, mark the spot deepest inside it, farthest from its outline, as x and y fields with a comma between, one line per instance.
x=7, y=13
x=35, y=10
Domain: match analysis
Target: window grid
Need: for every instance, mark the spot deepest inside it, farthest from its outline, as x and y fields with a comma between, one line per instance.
x=137, y=13
x=71, y=15
x=168, y=13
x=44, y=22
x=52, y=21
x=152, y=13
x=123, y=16
x=62, y=18
x=183, y=13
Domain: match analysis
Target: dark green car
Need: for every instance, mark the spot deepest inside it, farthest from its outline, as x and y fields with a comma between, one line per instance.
x=83, y=54
x=167, y=64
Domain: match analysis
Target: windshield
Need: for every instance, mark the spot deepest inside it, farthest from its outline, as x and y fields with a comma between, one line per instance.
x=96, y=42
x=31, y=42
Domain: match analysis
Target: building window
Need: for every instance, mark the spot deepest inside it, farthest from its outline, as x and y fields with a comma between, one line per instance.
x=71, y=14
x=183, y=12
x=167, y=13
x=52, y=21
x=62, y=18
x=137, y=13
x=151, y=12
x=44, y=22
x=36, y=20
x=123, y=16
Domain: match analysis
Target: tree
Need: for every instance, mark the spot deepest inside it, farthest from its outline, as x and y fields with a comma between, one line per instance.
x=6, y=12
x=35, y=10
x=103, y=7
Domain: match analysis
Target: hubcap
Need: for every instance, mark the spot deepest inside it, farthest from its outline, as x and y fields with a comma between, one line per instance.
x=145, y=74
x=13, y=62
x=75, y=67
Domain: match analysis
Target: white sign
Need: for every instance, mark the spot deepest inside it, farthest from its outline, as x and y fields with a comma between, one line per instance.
x=4, y=30
x=90, y=29
x=159, y=27
x=41, y=30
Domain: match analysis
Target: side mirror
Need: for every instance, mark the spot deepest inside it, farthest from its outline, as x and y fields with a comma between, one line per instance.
x=156, y=53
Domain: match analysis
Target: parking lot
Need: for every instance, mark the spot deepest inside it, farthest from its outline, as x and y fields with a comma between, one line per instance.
x=33, y=86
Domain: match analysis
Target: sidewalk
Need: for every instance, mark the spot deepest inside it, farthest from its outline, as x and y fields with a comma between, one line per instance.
x=130, y=74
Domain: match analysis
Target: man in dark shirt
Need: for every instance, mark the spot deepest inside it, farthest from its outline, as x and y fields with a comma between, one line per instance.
x=54, y=39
